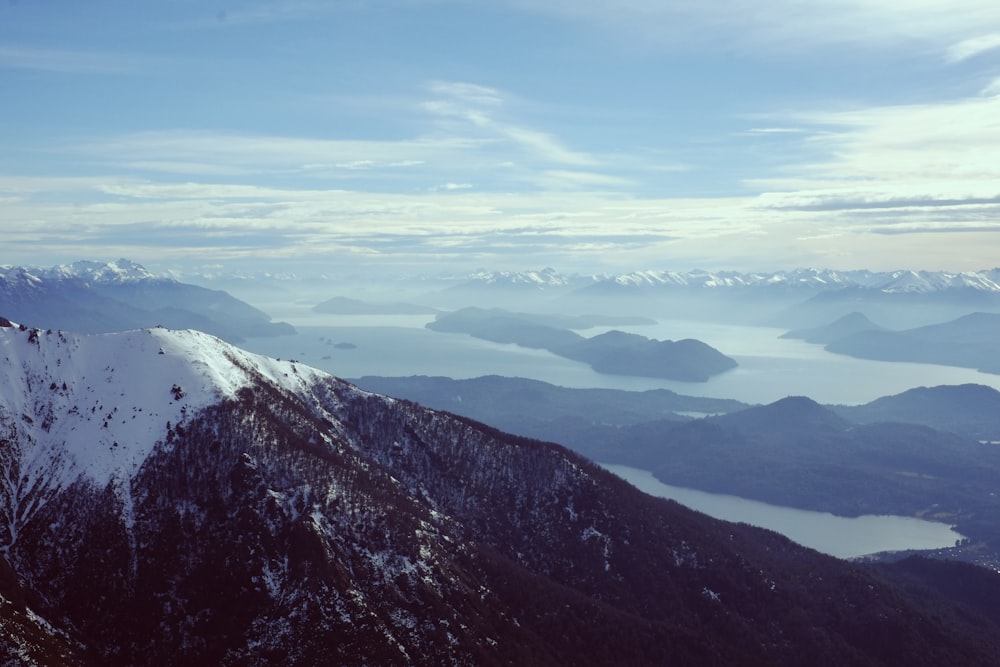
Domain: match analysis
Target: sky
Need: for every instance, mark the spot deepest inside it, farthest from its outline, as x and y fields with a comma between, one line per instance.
x=423, y=136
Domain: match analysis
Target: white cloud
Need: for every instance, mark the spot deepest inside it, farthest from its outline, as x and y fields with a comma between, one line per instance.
x=468, y=93
x=974, y=46
x=476, y=108
x=775, y=130
x=65, y=61
x=198, y=191
x=545, y=146
x=357, y=165
x=941, y=150
x=468, y=132
x=192, y=152
x=204, y=221
x=558, y=179
x=993, y=88
x=299, y=10
x=780, y=24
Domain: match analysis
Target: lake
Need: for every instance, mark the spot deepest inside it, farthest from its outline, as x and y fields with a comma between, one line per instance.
x=838, y=536
x=770, y=368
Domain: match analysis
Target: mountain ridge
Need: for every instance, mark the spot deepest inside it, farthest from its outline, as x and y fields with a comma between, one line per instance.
x=95, y=297
x=898, y=281
x=288, y=517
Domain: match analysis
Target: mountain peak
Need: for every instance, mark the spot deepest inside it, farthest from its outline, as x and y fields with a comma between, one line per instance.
x=789, y=413
x=847, y=325
x=118, y=271
x=115, y=395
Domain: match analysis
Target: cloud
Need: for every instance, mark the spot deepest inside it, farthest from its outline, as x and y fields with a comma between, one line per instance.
x=779, y=25
x=775, y=130
x=974, y=46
x=843, y=182
x=65, y=61
x=558, y=179
x=467, y=128
x=590, y=230
x=204, y=152
x=862, y=201
x=302, y=10
x=355, y=165
x=475, y=108
x=945, y=150
x=467, y=93
x=198, y=191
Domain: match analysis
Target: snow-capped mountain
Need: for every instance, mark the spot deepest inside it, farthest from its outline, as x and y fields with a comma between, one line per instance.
x=100, y=418
x=797, y=279
x=96, y=297
x=168, y=499
x=118, y=271
x=546, y=277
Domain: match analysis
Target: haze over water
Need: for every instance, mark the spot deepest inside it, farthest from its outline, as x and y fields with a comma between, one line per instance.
x=770, y=368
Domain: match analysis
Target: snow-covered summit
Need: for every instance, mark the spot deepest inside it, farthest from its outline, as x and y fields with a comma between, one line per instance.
x=118, y=271
x=814, y=279
x=95, y=405
x=934, y=281
x=546, y=277
x=804, y=279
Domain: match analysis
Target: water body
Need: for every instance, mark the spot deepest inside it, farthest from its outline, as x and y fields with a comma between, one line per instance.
x=770, y=368
x=838, y=536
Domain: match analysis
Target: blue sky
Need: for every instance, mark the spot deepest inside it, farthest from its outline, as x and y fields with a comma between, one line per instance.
x=436, y=135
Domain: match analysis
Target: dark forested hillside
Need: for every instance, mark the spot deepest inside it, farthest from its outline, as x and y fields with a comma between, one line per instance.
x=918, y=453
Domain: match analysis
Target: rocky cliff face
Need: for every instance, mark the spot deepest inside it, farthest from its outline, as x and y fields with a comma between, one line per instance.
x=168, y=499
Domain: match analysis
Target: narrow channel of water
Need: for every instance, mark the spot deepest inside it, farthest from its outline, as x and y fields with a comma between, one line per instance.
x=835, y=535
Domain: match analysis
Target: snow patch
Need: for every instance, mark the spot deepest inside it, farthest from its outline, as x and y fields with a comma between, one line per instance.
x=94, y=407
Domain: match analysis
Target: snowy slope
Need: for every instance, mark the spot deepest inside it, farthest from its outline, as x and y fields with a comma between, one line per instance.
x=96, y=405
x=118, y=271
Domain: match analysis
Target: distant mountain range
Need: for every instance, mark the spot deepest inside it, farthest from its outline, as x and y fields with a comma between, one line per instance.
x=903, y=281
x=795, y=298
x=542, y=410
x=789, y=298
x=168, y=499
x=801, y=280
x=970, y=341
x=95, y=297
